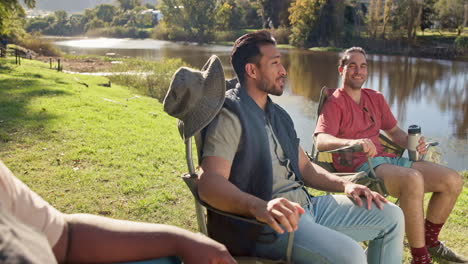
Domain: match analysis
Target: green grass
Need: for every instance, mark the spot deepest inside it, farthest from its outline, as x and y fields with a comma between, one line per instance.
x=119, y=158
x=155, y=84
x=439, y=33
x=84, y=153
x=333, y=49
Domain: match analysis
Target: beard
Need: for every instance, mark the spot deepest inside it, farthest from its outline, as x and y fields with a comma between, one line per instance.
x=271, y=88
x=355, y=85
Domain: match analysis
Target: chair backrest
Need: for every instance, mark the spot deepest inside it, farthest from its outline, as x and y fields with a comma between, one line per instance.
x=324, y=159
x=191, y=180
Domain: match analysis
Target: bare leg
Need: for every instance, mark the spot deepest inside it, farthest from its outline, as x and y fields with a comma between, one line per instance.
x=410, y=184
x=445, y=184
x=407, y=185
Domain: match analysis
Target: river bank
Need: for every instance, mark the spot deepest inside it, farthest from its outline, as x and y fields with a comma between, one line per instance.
x=425, y=46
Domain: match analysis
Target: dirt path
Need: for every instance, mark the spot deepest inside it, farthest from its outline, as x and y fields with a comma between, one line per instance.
x=88, y=64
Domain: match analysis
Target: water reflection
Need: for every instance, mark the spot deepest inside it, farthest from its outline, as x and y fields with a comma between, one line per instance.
x=431, y=93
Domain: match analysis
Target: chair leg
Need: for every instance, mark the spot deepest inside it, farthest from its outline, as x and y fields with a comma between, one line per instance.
x=290, y=247
x=201, y=218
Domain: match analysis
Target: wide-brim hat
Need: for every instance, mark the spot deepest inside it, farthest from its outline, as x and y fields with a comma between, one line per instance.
x=195, y=97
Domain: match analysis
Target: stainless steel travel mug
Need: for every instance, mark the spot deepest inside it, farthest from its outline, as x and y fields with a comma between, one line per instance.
x=414, y=134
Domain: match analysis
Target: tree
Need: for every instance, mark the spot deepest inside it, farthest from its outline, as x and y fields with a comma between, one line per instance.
x=451, y=14
x=106, y=12
x=77, y=24
x=94, y=23
x=386, y=16
x=228, y=15
x=304, y=16
x=428, y=15
x=128, y=4
x=192, y=16
x=354, y=14
x=248, y=10
x=9, y=11
x=272, y=12
x=36, y=25
x=406, y=16
x=317, y=23
x=61, y=25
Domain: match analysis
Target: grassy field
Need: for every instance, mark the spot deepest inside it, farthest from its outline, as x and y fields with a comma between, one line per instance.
x=89, y=149
x=103, y=150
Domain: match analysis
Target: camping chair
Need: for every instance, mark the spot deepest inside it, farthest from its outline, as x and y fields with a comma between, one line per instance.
x=324, y=158
x=191, y=179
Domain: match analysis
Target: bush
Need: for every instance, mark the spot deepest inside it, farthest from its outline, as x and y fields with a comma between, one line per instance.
x=39, y=45
x=174, y=33
x=281, y=35
x=118, y=32
x=222, y=36
x=151, y=78
x=461, y=44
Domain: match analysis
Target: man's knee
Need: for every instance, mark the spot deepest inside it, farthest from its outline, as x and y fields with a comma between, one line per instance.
x=349, y=253
x=394, y=215
x=412, y=183
x=454, y=182
x=393, y=211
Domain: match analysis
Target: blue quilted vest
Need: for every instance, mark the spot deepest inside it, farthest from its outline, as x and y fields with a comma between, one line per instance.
x=251, y=170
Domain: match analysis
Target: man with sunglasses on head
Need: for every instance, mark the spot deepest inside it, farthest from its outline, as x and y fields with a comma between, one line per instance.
x=355, y=115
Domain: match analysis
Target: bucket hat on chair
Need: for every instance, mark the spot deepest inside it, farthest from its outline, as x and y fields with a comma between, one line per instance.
x=195, y=97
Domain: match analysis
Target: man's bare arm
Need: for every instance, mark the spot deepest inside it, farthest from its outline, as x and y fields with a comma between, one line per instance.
x=328, y=142
x=215, y=189
x=96, y=239
x=400, y=137
x=317, y=177
x=397, y=135
x=214, y=184
x=320, y=179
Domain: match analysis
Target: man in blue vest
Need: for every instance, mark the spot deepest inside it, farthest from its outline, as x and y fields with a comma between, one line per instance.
x=253, y=166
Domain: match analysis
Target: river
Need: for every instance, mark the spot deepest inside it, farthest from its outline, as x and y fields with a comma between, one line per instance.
x=428, y=92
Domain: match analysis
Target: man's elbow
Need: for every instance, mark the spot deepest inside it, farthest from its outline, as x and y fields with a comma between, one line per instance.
x=61, y=246
x=319, y=142
x=203, y=187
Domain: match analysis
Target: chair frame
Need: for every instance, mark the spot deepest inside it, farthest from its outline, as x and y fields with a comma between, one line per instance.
x=388, y=144
x=191, y=180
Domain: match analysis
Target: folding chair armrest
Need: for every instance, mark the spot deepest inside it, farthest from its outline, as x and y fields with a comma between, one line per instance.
x=428, y=146
x=353, y=148
x=191, y=181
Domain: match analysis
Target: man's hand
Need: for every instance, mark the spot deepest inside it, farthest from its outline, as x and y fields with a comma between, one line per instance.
x=278, y=212
x=355, y=191
x=368, y=146
x=203, y=250
x=421, y=148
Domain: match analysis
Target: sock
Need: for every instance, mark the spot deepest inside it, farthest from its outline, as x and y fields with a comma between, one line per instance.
x=432, y=233
x=420, y=256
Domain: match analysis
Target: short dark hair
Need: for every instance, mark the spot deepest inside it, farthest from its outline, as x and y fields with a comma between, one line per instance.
x=246, y=49
x=344, y=58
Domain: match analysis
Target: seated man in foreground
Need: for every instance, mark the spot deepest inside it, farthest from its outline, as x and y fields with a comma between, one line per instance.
x=32, y=231
x=355, y=115
x=253, y=166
